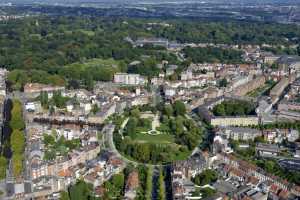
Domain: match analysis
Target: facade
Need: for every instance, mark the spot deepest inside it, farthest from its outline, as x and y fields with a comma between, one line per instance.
x=239, y=133
x=270, y=59
x=288, y=105
x=248, y=87
x=37, y=88
x=234, y=121
x=152, y=41
x=267, y=150
x=129, y=79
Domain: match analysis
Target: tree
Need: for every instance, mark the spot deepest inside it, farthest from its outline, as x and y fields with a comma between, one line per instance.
x=135, y=113
x=118, y=180
x=259, y=139
x=206, y=177
x=17, y=78
x=95, y=109
x=59, y=100
x=149, y=181
x=17, y=121
x=223, y=82
x=179, y=108
x=17, y=163
x=114, y=187
x=162, y=190
x=3, y=167
x=48, y=140
x=168, y=110
x=131, y=126
x=207, y=192
x=81, y=190
x=17, y=141
x=44, y=99
x=64, y=195
x=219, y=110
x=49, y=155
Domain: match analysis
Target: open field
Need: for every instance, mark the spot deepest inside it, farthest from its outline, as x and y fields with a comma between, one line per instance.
x=158, y=139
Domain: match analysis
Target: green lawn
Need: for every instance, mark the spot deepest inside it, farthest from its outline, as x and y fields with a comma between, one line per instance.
x=162, y=138
x=86, y=32
x=97, y=62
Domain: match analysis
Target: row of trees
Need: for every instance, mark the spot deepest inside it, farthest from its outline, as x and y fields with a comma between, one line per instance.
x=161, y=186
x=19, y=77
x=3, y=167
x=134, y=124
x=149, y=183
x=17, y=138
x=229, y=32
x=234, y=108
x=213, y=55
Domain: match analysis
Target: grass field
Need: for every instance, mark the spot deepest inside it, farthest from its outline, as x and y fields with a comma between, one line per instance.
x=97, y=62
x=158, y=139
x=86, y=32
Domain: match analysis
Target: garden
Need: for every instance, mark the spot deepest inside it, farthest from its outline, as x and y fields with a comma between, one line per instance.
x=157, y=135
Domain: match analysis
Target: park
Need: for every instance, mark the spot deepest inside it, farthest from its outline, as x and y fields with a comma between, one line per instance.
x=157, y=135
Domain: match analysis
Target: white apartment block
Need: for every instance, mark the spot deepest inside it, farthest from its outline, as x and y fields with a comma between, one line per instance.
x=129, y=79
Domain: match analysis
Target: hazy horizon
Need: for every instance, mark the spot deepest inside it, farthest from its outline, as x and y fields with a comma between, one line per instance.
x=152, y=1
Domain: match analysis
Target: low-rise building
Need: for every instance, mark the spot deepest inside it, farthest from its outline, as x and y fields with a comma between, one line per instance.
x=239, y=133
x=132, y=185
x=30, y=88
x=249, y=86
x=234, y=121
x=267, y=150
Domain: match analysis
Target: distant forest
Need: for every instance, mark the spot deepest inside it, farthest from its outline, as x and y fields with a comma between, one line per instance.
x=43, y=49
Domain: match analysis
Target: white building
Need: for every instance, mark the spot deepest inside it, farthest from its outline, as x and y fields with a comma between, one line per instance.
x=169, y=92
x=129, y=79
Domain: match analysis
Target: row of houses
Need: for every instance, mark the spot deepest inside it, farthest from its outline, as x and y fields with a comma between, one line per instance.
x=243, y=170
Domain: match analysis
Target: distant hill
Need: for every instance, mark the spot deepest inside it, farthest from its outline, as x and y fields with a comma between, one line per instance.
x=156, y=1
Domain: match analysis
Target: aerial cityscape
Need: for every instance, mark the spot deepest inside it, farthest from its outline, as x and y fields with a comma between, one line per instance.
x=150, y=100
